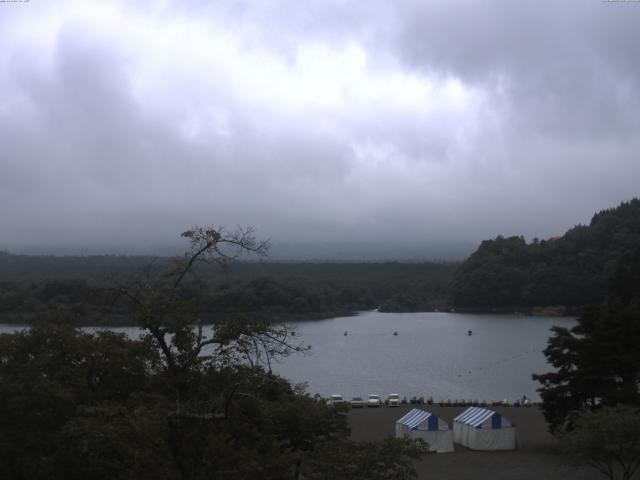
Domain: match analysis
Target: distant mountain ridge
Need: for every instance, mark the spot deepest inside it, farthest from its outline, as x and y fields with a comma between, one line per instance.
x=569, y=271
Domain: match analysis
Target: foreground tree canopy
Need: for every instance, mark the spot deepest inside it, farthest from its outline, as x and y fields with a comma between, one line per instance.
x=179, y=403
x=597, y=361
x=607, y=440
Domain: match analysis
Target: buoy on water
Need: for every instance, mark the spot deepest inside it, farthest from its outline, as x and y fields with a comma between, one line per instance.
x=469, y=333
x=395, y=334
x=345, y=334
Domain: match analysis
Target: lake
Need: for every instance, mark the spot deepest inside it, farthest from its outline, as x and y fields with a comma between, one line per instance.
x=432, y=355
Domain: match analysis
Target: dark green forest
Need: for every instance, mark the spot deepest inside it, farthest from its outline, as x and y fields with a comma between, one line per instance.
x=570, y=271
x=597, y=361
x=31, y=287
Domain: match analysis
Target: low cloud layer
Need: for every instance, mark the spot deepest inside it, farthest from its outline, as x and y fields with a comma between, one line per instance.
x=400, y=122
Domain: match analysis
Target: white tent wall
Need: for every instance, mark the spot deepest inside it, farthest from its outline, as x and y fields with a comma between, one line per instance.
x=457, y=432
x=494, y=433
x=440, y=440
x=402, y=431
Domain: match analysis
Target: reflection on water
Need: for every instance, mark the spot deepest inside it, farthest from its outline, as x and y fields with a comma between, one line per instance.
x=431, y=355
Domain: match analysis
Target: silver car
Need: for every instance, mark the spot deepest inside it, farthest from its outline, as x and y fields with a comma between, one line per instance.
x=394, y=400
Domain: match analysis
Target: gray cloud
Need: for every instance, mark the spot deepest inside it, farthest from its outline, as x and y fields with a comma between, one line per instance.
x=314, y=121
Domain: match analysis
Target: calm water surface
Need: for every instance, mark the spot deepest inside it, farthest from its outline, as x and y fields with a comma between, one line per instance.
x=431, y=355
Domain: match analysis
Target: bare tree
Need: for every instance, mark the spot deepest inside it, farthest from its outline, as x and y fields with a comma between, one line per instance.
x=174, y=324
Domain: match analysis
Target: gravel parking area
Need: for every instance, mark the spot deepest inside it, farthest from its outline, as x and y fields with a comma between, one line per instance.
x=536, y=458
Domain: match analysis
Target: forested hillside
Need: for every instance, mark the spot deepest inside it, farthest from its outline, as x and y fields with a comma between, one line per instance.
x=571, y=271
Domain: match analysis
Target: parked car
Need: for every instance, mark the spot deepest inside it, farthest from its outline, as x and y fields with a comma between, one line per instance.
x=394, y=400
x=374, y=401
x=335, y=399
x=357, y=402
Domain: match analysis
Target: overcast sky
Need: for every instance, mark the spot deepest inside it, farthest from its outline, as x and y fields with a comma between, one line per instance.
x=334, y=120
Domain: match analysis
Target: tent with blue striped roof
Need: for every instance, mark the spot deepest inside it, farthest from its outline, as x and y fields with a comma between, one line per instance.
x=427, y=426
x=482, y=429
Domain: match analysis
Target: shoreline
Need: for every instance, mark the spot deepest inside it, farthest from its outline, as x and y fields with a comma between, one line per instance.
x=94, y=319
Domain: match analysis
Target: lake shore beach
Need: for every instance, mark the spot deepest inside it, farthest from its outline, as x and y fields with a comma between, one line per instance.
x=537, y=457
